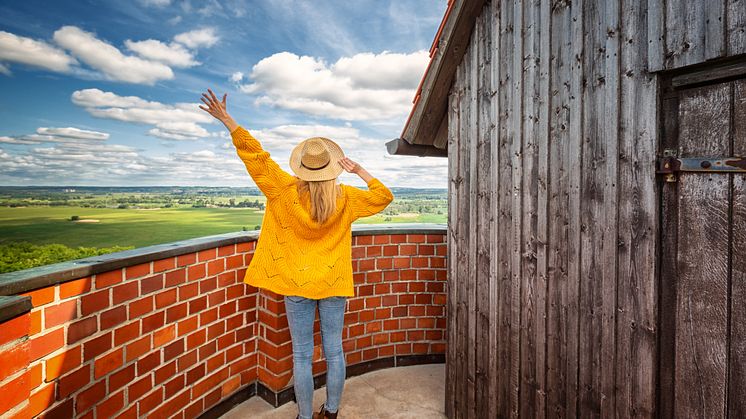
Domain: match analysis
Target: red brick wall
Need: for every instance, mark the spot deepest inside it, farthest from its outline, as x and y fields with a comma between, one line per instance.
x=176, y=336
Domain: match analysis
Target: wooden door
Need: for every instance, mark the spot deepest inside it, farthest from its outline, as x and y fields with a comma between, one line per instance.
x=703, y=249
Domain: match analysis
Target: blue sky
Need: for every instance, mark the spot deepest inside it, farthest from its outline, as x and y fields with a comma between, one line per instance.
x=106, y=92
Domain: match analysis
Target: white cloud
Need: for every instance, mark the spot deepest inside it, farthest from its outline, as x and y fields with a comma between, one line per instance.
x=71, y=132
x=155, y=3
x=5, y=70
x=109, y=60
x=205, y=37
x=170, y=54
x=31, y=52
x=173, y=122
x=362, y=87
x=236, y=77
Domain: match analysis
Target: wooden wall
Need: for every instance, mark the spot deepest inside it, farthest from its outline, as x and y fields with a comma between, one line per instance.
x=553, y=212
x=686, y=32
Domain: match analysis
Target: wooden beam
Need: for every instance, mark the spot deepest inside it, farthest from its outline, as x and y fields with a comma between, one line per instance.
x=430, y=109
x=401, y=147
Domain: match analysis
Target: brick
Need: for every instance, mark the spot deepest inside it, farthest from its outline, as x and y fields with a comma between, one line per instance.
x=207, y=285
x=216, y=297
x=137, y=348
x=89, y=397
x=81, y=329
x=14, y=359
x=62, y=363
x=363, y=240
x=407, y=249
x=163, y=336
x=173, y=406
x=108, y=279
x=188, y=291
x=76, y=287
x=137, y=271
x=209, y=316
x=233, y=262
x=175, y=277
x=196, y=339
x=94, y=302
x=59, y=314
x=164, y=373
x=439, y=299
x=401, y=262
x=114, y=317
x=188, y=259
x=44, y=345
x=38, y=402
x=381, y=239
x=139, y=307
x=398, y=238
x=164, y=264
x=153, y=322
x=73, y=382
x=148, y=363
x=383, y=263
x=139, y=388
x=415, y=238
x=216, y=266
x=14, y=392
x=195, y=272
x=372, y=277
x=437, y=262
x=165, y=298
x=125, y=292
x=177, y=312
x=41, y=296
x=373, y=251
x=151, y=284
x=121, y=378
x=366, y=265
x=112, y=404
x=174, y=386
x=35, y=372
x=127, y=333
x=151, y=401
x=188, y=325
x=34, y=327
x=208, y=254
x=96, y=346
x=108, y=363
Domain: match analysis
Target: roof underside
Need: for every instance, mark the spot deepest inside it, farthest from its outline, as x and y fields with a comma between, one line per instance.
x=426, y=131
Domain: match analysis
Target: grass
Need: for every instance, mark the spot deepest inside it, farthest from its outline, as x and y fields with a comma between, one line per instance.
x=138, y=228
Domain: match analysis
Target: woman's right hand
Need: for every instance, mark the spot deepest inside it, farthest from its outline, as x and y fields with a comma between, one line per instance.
x=349, y=165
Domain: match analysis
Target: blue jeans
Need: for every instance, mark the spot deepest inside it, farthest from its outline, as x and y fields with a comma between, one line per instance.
x=301, y=314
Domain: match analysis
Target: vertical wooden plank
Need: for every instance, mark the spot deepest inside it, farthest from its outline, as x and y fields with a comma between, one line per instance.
x=505, y=207
x=529, y=299
x=637, y=291
x=484, y=210
x=454, y=101
x=571, y=294
x=715, y=29
x=656, y=32
x=702, y=289
x=495, y=225
x=558, y=214
x=736, y=27
x=737, y=358
x=462, y=401
x=516, y=135
x=598, y=214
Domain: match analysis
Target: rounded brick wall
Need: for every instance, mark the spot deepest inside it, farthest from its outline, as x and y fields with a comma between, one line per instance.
x=176, y=336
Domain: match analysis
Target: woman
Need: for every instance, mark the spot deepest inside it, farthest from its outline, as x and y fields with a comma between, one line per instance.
x=305, y=245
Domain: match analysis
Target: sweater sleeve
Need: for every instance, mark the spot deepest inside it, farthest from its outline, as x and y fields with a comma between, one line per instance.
x=364, y=203
x=267, y=174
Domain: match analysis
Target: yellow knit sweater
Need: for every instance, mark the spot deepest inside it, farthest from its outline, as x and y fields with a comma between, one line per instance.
x=296, y=255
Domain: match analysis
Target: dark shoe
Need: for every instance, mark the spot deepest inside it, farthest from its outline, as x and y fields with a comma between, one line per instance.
x=324, y=414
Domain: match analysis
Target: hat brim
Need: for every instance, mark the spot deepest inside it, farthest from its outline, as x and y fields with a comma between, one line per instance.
x=330, y=171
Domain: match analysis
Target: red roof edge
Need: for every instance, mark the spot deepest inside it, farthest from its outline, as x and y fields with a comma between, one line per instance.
x=433, y=50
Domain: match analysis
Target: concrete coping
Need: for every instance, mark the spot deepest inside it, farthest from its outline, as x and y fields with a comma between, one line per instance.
x=13, y=283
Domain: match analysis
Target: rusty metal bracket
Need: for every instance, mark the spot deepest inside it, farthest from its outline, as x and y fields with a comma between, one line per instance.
x=669, y=165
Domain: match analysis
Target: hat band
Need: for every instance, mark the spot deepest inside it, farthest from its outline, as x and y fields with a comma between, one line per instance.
x=314, y=168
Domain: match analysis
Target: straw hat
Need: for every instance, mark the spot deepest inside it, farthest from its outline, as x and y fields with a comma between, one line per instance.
x=316, y=158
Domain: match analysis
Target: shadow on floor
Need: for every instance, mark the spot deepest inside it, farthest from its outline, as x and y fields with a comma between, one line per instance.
x=402, y=392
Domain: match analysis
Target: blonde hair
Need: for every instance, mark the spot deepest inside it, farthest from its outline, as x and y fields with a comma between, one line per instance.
x=323, y=196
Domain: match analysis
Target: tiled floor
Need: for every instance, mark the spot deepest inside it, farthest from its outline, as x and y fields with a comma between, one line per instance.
x=402, y=392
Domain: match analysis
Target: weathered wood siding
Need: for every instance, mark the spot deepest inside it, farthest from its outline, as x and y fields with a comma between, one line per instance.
x=687, y=32
x=551, y=143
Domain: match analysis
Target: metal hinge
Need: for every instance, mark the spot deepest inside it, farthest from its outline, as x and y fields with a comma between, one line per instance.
x=670, y=165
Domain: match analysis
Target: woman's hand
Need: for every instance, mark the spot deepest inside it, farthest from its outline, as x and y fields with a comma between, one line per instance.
x=217, y=109
x=352, y=167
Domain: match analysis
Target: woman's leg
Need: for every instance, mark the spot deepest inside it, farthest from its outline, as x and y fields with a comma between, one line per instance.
x=332, y=314
x=301, y=313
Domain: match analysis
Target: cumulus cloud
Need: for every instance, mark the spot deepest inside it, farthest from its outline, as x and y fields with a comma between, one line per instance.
x=172, y=54
x=155, y=3
x=71, y=132
x=69, y=135
x=205, y=37
x=19, y=49
x=108, y=59
x=362, y=87
x=171, y=122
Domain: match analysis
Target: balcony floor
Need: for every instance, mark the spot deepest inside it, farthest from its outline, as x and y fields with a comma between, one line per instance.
x=402, y=392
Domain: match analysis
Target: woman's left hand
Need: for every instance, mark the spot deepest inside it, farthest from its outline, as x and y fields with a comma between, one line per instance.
x=216, y=108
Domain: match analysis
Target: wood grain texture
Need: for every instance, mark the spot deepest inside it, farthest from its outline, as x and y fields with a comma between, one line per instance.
x=702, y=289
x=736, y=27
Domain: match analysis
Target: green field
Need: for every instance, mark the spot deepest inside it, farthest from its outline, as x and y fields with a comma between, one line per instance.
x=137, y=227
